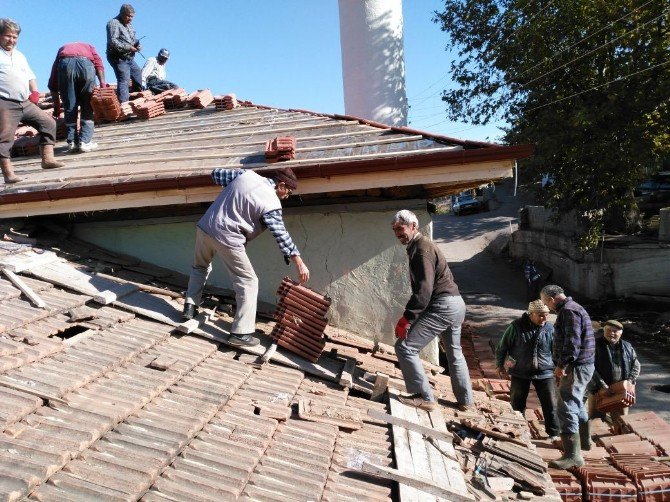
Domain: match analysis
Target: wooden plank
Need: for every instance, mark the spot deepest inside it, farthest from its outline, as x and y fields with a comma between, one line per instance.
x=65, y=275
x=381, y=384
x=152, y=307
x=403, y=459
x=426, y=430
x=110, y=296
x=324, y=412
x=25, y=289
x=455, y=477
x=346, y=377
x=20, y=262
x=419, y=483
x=413, y=447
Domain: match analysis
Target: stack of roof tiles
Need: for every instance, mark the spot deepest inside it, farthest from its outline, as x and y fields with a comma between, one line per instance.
x=106, y=106
x=566, y=485
x=173, y=98
x=623, y=396
x=651, y=427
x=227, y=102
x=150, y=109
x=603, y=481
x=301, y=320
x=146, y=94
x=652, y=478
x=200, y=98
x=279, y=149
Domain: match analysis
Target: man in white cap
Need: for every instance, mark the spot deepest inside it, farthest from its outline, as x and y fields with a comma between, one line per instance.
x=616, y=361
x=524, y=352
x=154, y=74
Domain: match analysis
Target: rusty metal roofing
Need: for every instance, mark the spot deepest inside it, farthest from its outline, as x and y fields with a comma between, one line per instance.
x=169, y=158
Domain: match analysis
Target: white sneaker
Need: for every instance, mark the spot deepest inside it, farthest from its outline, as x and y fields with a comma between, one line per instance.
x=87, y=147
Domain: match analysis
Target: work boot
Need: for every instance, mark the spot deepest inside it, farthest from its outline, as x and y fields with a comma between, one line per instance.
x=585, y=435
x=8, y=172
x=243, y=340
x=190, y=311
x=48, y=160
x=417, y=401
x=572, y=456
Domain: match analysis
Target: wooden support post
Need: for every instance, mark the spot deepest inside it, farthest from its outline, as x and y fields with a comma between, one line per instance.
x=347, y=375
x=381, y=384
x=25, y=289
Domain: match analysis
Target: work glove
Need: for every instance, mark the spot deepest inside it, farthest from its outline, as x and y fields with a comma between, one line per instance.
x=34, y=97
x=401, y=328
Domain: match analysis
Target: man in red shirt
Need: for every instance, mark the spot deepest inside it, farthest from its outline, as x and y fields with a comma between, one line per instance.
x=71, y=83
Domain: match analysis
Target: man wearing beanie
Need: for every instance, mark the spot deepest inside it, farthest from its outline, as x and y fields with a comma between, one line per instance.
x=524, y=352
x=574, y=355
x=248, y=205
x=616, y=360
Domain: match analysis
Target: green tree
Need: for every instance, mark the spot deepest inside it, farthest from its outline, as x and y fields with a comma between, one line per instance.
x=587, y=81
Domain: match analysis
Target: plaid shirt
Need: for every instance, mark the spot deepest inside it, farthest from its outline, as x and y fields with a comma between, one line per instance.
x=273, y=220
x=574, y=343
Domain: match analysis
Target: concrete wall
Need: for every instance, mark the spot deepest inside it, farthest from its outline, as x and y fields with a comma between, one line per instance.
x=350, y=250
x=624, y=269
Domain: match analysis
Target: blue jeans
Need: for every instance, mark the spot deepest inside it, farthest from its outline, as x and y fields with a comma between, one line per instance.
x=125, y=70
x=570, y=406
x=443, y=317
x=76, y=79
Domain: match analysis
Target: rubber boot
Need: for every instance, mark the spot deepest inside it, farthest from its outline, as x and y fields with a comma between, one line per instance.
x=585, y=435
x=48, y=160
x=572, y=456
x=8, y=172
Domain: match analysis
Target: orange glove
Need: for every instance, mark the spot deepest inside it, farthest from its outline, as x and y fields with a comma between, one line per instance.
x=34, y=97
x=401, y=328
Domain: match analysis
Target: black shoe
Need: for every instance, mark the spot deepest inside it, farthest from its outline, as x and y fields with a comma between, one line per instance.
x=243, y=340
x=190, y=311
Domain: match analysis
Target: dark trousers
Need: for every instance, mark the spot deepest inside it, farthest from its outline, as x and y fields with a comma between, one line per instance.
x=156, y=85
x=546, y=391
x=76, y=79
x=13, y=113
x=125, y=70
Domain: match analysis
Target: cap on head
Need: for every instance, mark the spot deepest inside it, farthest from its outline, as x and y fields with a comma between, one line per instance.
x=287, y=176
x=614, y=323
x=537, y=306
x=163, y=54
x=126, y=9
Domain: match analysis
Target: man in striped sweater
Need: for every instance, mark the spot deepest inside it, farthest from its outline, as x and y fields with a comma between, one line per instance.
x=248, y=205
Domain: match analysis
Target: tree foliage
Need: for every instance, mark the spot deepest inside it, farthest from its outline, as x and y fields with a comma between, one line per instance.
x=588, y=82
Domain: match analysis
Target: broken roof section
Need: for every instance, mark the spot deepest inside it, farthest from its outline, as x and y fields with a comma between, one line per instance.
x=167, y=160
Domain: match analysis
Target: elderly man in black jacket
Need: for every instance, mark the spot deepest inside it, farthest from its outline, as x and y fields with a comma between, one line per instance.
x=524, y=352
x=616, y=360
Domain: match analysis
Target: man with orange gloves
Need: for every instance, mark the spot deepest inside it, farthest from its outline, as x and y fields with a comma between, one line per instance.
x=435, y=308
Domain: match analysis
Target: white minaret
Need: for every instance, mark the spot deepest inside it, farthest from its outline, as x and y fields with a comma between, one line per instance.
x=373, y=61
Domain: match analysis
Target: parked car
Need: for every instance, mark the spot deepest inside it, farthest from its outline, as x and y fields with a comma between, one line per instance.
x=465, y=203
x=654, y=193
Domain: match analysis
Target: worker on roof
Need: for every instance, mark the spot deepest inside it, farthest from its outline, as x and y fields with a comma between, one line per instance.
x=122, y=45
x=71, y=83
x=18, y=103
x=248, y=205
x=615, y=361
x=524, y=353
x=154, y=74
x=435, y=308
x=573, y=353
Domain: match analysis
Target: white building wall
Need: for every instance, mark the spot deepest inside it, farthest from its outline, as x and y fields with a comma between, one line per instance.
x=373, y=62
x=352, y=254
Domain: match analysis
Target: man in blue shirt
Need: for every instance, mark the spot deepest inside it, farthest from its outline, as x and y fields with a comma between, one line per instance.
x=248, y=205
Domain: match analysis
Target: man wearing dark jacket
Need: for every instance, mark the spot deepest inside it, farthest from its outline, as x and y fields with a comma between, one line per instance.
x=435, y=308
x=122, y=45
x=574, y=355
x=524, y=351
x=616, y=360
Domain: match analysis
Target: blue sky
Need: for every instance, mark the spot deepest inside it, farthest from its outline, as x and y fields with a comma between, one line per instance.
x=283, y=53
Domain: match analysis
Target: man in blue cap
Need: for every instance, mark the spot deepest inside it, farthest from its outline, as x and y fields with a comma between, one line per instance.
x=154, y=75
